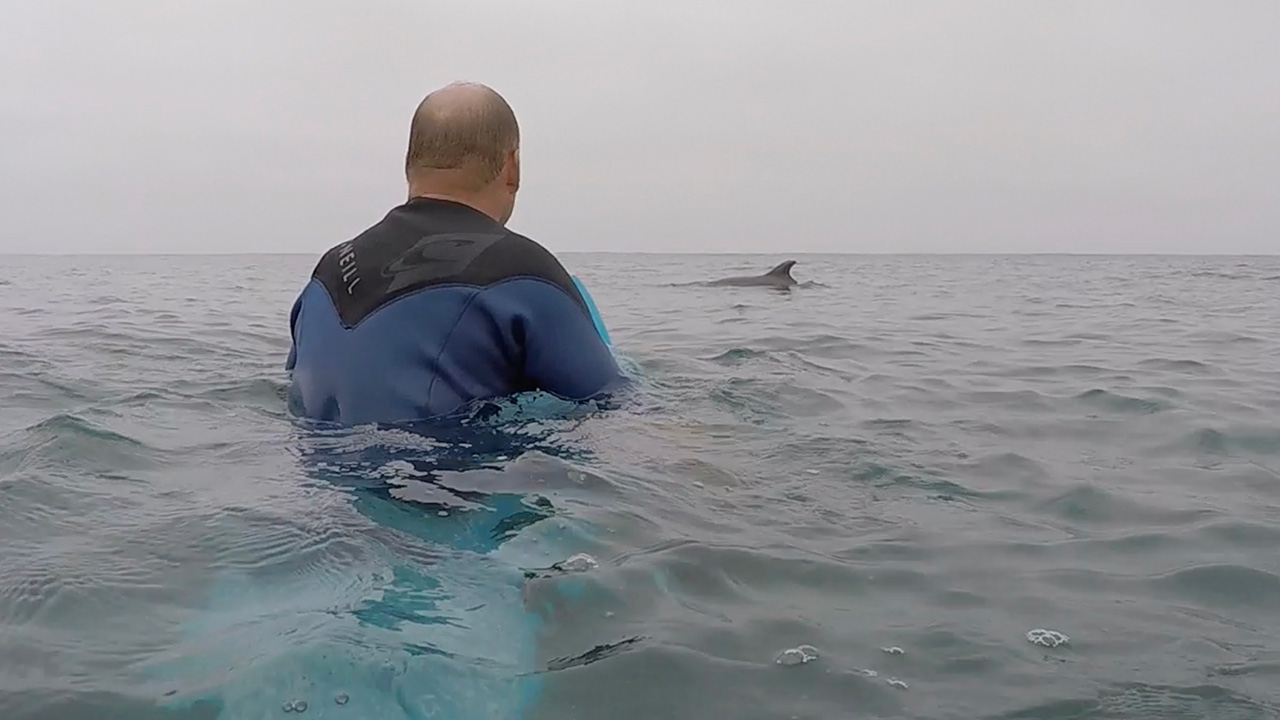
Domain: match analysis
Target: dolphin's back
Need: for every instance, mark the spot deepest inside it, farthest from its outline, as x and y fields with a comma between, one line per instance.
x=780, y=275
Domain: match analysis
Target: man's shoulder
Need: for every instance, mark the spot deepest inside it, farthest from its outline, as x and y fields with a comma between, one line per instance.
x=516, y=255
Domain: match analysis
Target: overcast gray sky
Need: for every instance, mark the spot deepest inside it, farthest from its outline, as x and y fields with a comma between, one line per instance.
x=666, y=125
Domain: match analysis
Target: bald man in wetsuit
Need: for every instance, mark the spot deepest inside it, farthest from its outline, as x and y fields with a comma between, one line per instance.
x=439, y=304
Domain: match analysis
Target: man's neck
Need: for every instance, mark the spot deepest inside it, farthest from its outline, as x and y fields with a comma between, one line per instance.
x=470, y=202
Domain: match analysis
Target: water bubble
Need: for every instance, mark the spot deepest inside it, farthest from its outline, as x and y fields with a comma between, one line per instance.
x=1047, y=638
x=581, y=562
x=298, y=706
x=791, y=656
x=341, y=698
x=797, y=655
x=443, y=513
x=895, y=650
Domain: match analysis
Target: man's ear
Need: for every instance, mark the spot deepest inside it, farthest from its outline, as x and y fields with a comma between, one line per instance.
x=513, y=170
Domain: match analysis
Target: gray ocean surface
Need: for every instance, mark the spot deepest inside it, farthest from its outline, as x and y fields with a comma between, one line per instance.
x=909, y=465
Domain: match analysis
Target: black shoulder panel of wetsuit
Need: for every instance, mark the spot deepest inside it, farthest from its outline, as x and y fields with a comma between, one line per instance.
x=430, y=242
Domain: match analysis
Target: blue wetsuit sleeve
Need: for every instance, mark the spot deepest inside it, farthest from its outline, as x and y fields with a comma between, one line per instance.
x=559, y=346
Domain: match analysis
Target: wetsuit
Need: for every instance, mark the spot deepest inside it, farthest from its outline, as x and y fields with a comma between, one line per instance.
x=432, y=308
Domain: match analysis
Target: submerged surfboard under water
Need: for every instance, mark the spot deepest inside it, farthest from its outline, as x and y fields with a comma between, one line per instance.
x=440, y=627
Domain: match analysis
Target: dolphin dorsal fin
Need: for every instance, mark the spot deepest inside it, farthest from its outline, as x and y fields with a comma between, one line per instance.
x=782, y=270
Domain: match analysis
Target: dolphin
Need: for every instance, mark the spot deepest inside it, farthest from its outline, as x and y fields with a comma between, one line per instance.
x=779, y=277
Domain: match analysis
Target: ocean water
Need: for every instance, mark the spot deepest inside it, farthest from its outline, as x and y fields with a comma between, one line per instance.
x=910, y=465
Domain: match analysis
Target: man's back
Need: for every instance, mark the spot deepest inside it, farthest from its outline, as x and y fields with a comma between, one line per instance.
x=436, y=306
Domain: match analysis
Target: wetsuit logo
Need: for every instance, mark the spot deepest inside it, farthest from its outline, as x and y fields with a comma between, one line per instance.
x=436, y=256
x=347, y=265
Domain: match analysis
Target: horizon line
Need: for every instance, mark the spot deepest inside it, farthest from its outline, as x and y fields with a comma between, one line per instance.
x=317, y=253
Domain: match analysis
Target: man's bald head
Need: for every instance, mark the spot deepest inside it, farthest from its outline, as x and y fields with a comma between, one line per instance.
x=466, y=129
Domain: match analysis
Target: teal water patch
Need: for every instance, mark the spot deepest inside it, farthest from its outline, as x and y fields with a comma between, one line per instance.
x=433, y=623
x=435, y=629
x=452, y=639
